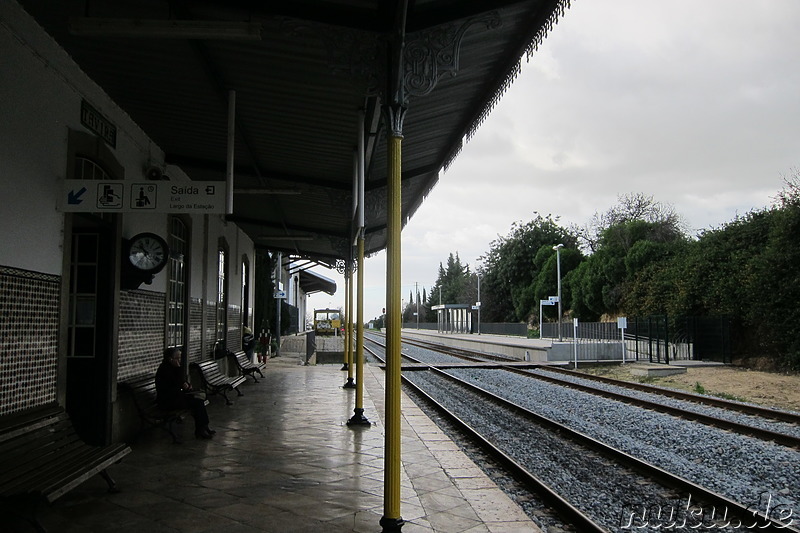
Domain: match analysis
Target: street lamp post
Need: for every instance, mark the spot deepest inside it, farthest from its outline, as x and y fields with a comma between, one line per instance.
x=478, y=303
x=557, y=248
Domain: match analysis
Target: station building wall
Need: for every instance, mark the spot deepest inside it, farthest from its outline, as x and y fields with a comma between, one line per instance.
x=42, y=136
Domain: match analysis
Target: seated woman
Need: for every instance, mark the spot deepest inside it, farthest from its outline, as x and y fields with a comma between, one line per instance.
x=172, y=389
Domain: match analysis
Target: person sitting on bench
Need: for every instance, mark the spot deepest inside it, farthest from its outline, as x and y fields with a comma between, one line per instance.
x=174, y=392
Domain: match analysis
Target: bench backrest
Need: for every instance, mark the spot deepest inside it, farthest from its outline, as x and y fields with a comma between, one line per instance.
x=19, y=423
x=143, y=390
x=209, y=368
x=24, y=448
x=241, y=359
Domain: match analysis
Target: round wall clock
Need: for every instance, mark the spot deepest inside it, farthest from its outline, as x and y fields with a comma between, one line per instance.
x=147, y=252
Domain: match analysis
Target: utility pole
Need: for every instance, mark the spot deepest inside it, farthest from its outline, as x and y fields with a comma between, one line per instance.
x=557, y=248
x=416, y=289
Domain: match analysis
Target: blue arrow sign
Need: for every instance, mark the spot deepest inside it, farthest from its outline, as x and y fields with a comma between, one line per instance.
x=74, y=198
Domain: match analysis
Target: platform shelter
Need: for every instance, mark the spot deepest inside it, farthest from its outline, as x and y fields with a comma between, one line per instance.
x=453, y=318
x=169, y=166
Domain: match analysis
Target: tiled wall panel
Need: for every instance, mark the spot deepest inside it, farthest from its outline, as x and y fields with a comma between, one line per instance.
x=141, y=333
x=29, y=322
x=195, y=330
x=234, y=338
x=211, y=333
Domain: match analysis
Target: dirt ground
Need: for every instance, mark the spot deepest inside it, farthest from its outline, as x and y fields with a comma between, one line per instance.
x=764, y=388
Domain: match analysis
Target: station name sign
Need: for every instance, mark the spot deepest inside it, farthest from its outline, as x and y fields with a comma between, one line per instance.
x=95, y=121
x=117, y=196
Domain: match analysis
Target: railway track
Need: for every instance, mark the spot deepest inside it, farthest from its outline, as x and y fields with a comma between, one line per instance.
x=755, y=410
x=785, y=430
x=605, y=463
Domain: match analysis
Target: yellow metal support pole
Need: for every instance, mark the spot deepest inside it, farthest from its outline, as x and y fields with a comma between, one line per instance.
x=343, y=317
x=391, y=520
x=360, y=328
x=348, y=327
x=350, y=314
x=358, y=417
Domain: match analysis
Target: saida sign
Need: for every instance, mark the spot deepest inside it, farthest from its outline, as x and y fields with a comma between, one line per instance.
x=117, y=196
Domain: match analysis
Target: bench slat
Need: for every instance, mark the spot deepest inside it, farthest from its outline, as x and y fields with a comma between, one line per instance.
x=41, y=455
x=144, y=393
x=41, y=461
x=24, y=450
x=246, y=366
x=216, y=383
x=16, y=425
x=82, y=467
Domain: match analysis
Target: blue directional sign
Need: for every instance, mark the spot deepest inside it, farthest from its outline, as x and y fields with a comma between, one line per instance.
x=74, y=198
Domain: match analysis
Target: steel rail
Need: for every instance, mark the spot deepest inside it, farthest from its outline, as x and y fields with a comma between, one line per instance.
x=728, y=425
x=783, y=439
x=765, y=412
x=566, y=510
x=766, y=523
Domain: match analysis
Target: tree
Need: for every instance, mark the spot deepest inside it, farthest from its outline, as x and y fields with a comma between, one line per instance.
x=453, y=286
x=747, y=270
x=625, y=240
x=510, y=268
x=630, y=207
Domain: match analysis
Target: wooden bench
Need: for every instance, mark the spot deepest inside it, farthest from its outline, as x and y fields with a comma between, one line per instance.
x=143, y=391
x=215, y=383
x=246, y=366
x=42, y=458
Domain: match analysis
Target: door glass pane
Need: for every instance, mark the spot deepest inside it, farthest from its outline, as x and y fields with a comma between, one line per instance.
x=85, y=278
x=84, y=342
x=84, y=311
x=86, y=248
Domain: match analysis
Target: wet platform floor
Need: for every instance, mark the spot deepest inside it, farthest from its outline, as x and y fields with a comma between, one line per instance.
x=284, y=460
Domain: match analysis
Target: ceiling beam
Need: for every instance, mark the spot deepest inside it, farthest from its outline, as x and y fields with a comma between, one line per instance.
x=218, y=167
x=164, y=29
x=298, y=231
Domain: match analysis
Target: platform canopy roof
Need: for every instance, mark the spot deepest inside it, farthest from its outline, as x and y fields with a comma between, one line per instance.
x=312, y=282
x=301, y=71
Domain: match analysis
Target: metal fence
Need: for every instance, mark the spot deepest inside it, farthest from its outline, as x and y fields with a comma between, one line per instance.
x=656, y=339
x=513, y=329
x=596, y=341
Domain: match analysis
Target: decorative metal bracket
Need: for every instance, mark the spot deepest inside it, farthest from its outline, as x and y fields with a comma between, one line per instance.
x=427, y=55
x=432, y=54
x=342, y=266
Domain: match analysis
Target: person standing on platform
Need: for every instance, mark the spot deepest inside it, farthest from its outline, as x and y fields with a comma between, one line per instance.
x=263, y=346
x=249, y=343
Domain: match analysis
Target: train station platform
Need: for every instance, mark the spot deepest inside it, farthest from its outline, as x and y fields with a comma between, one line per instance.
x=534, y=350
x=284, y=460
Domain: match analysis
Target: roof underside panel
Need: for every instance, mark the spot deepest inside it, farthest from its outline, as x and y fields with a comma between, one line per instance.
x=298, y=91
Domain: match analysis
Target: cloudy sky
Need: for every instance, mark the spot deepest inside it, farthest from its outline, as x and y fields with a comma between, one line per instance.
x=695, y=102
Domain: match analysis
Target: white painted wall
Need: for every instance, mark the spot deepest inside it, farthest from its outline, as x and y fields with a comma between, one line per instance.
x=40, y=100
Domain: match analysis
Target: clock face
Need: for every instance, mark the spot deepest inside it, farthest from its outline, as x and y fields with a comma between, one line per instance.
x=147, y=252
